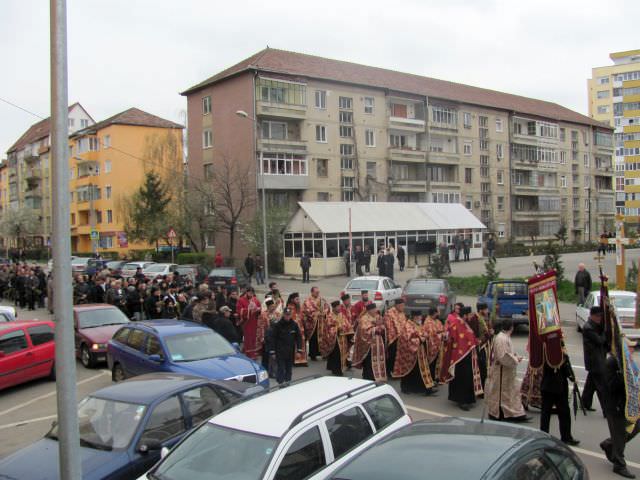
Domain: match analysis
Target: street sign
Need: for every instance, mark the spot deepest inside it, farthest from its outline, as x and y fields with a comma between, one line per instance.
x=94, y=235
x=171, y=233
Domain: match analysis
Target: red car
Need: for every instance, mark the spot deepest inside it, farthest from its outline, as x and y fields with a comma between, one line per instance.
x=27, y=351
x=94, y=325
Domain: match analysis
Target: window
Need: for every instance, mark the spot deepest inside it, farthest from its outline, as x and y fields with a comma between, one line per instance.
x=321, y=134
x=498, y=125
x=284, y=164
x=346, y=163
x=369, y=105
x=107, y=191
x=208, y=171
x=444, y=115
x=466, y=119
x=563, y=181
x=73, y=215
x=274, y=130
x=533, y=467
x=106, y=141
x=206, y=105
x=107, y=166
x=345, y=117
x=122, y=335
x=398, y=141
x=347, y=430
x=500, y=202
x=274, y=91
x=500, y=177
x=71, y=122
x=202, y=403
x=304, y=457
x=565, y=465
x=109, y=216
x=346, y=103
x=369, y=137
x=346, y=132
x=603, y=108
x=84, y=123
x=323, y=196
x=207, y=138
x=347, y=183
x=586, y=160
x=563, y=134
x=346, y=149
x=603, y=80
x=563, y=157
x=347, y=196
x=468, y=203
x=371, y=169
x=136, y=339
x=468, y=172
x=499, y=150
x=166, y=421
x=321, y=99
x=99, y=216
x=484, y=145
x=484, y=172
x=13, y=342
x=373, y=197
x=603, y=94
x=322, y=167
x=106, y=241
x=466, y=148
x=383, y=411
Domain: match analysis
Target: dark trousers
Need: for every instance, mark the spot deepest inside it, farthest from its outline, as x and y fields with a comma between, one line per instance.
x=561, y=402
x=284, y=369
x=347, y=267
x=314, y=351
x=594, y=384
x=305, y=275
x=367, y=368
x=614, y=445
x=359, y=269
x=401, y=263
x=466, y=255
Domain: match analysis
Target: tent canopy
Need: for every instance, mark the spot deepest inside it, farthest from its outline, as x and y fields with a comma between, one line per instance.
x=333, y=217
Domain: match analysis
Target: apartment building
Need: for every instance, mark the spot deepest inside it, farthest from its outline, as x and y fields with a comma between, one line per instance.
x=614, y=98
x=108, y=161
x=28, y=172
x=324, y=130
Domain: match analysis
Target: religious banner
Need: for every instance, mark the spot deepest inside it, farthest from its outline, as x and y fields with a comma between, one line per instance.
x=545, y=333
x=123, y=242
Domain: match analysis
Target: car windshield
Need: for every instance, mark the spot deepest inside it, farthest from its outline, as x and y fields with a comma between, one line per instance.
x=131, y=266
x=624, y=301
x=362, y=284
x=113, y=264
x=80, y=261
x=511, y=289
x=213, y=452
x=423, y=287
x=101, y=317
x=222, y=272
x=156, y=268
x=106, y=424
x=189, y=347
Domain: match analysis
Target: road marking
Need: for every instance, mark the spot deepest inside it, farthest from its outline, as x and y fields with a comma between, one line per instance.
x=27, y=422
x=51, y=394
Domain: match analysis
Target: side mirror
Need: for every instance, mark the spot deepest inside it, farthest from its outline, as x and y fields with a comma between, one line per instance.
x=164, y=452
x=155, y=358
x=236, y=345
x=149, y=445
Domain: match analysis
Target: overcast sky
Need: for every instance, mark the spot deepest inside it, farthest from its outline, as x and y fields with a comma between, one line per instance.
x=141, y=53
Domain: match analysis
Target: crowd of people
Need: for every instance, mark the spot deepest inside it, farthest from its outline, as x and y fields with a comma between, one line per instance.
x=25, y=285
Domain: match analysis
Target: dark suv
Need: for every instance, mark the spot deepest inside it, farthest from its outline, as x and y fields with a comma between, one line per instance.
x=228, y=277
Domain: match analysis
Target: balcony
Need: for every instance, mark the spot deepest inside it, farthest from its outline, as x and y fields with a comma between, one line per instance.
x=448, y=183
x=30, y=156
x=449, y=158
x=281, y=110
x=283, y=182
x=33, y=193
x=282, y=145
x=415, y=125
x=533, y=213
x=398, y=154
x=32, y=175
x=408, y=186
x=87, y=158
x=528, y=189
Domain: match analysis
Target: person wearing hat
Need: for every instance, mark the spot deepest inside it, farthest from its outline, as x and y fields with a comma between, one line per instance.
x=434, y=331
x=267, y=318
x=360, y=306
x=394, y=321
x=411, y=364
x=285, y=341
x=369, y=348
x=293, y=304
x=248, y=313
x=594, y=344
x=335, y=341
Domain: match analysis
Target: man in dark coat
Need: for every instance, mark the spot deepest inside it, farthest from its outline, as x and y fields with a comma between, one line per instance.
x=249, y=265
x=222, y=324
x=286, y=341
x=401, y=257
x=359, y=259
x=305, y=265
x=555, y=393
x=595, y=353
x=582, y=283
x=388, y=262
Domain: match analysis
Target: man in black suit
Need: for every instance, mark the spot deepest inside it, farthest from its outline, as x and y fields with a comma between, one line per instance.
x=595, y=354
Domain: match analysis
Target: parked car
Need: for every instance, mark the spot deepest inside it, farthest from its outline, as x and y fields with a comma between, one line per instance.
x=228, y=277
x=115, y=267
x=123, y=427
x=181, y=347
x=94, y=326
x=194, y=272
x=95, y=265
x=624, y=304
x=129, y=269
x=493, y=450
x=8, y=312
x=306, y=430
x=382, y=290
x=156, y=270
x=512, y=297
x=27, y=352
x=79, y=265
x=421, y=293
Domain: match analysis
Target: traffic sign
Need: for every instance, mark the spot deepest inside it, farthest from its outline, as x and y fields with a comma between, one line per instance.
x=171, y=233
x=94, y=235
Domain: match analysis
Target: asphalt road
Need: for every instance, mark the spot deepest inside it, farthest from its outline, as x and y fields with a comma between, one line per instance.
x=26, y=411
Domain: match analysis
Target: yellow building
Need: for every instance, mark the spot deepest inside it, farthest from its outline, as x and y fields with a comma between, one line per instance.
x=4, y=192
x=614, y=97
x=108, y=162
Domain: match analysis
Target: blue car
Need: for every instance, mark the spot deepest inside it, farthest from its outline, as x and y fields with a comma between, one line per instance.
x=179, y=347
x=123, y=427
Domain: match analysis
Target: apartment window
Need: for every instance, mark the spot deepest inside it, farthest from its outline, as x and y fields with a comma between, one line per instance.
x=484, y=145
x=98, y=216
x=485, y=200
x=531, y=128
x=207, y=138
x=106, y=241
x=106, y=141
x=484, y=172
x=398, y=141
x=484, y=160
x=466, y=148
x=346, y=149
x=206, y=105
x=483, y=121
x=603, y=94
x=84, y=123
x=468, y=173
x=563, y=134
x=274, y=91
x=563, y=157
x=109, y=216
x=346, y=132
x=500, y=203
x=208, y=171
x=498, y=125
x=444, y=115
x=107, y=191
x=499, y=150
x=517, y=128
x=321, y=99
x=468, y=203
x=371, y=169
x=603, y=80
x=347, y=196
x=274, y=130
x=71, y=122
x=346, y=163
x=485, y=187
x=369, y=137
x=284, y=164
x=603, y=108
x=345, y=117
x=587, y=182
x=323, y=196
x=369, y=105
x=563, y=181
x=345, y=103
x=586, y=160
x=321, y=134
x=373, y=197
x=107, y=166
x=466, y=119
x=322, y=167
x=73, y=219
x=500, y=177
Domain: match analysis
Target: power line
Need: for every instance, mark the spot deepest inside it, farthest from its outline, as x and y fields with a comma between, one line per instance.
x=22, y=108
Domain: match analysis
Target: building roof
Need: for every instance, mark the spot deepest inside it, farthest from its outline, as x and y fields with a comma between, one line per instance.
x=298, y=64
x=333, y=217
x=132, y=116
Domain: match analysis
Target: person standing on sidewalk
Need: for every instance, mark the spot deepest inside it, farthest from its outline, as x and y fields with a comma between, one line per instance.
x=305, y=265
x=249, y=265
x=582, y=283
x=466, y=248
x=401, y=257
x=259, y=267
x=491, y=247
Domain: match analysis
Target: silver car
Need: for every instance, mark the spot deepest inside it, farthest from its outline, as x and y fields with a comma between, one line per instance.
x=382, y=290
x=624, y=304
x=129, y=269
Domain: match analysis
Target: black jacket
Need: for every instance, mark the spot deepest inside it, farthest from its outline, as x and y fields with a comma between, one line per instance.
x=616, y=395
x=595, y=347
x=554, y=380
x=583, y=279
x=286, y=339
x=221, y=325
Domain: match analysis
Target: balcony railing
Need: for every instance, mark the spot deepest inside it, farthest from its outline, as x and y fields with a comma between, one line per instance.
x=409, y=124
x=282, y=145
x=399, y=154
x=283, y=110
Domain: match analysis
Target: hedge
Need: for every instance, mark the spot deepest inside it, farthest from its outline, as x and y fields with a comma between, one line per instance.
x=199, y=258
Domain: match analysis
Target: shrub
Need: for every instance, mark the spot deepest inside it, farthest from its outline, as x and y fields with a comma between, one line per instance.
x=199, y=258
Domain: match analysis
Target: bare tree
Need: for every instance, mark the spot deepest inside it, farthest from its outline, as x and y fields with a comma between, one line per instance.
x=193, y=214
x=18, y=223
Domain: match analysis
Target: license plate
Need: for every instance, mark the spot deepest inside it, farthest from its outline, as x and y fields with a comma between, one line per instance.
x=101, y=358
x=219, y=282
x=423, y=302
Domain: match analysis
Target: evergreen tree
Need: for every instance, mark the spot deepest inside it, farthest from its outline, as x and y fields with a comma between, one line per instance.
x=552, y=261
x=490, y=272
x=437, y=268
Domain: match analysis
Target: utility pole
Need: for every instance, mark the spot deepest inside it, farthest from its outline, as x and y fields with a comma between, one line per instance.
x=65, y=362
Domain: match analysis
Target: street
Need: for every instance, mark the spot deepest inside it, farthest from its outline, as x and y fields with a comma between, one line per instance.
x=26, y=411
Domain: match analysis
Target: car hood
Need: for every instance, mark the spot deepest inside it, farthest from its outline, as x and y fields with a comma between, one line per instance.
x=39, y=461
x=220, y=368
x=100, y=334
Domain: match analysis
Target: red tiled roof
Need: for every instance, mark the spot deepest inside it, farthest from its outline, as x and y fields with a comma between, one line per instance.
x=292, y=63
x=132, y=116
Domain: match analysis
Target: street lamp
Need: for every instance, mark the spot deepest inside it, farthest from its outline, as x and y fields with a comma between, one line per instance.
x=243, y=114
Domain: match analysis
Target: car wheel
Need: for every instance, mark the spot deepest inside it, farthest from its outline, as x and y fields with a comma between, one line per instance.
x=86, y=358
x=117, y=374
